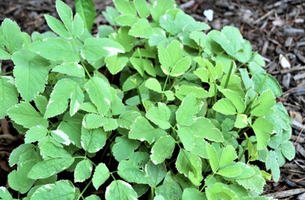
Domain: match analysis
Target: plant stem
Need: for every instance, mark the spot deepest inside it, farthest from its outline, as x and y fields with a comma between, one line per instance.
x=207, y=182
x=165, y=82
x=151, y=192
x=229, y=75
x=81, y=194
x=10, y=72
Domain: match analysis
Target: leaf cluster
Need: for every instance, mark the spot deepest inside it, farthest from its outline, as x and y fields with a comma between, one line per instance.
x=155, y=105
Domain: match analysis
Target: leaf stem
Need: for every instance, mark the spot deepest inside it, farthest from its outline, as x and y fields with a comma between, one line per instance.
x=81, y=194
x=10, y=72
x=229, y=75
x=139, y=93
x=165, y=83
x=151, y=192
x=207, y=182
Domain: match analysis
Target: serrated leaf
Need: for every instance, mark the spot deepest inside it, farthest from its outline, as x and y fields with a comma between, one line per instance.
x=120, y=190
x=162, y=149
x=83, y=170
x=170, y=189
x=183, y=90
x=155, y=173
x=61, y=137
x=92, y=121
x=47, y=168
x=130, y=172
x=71, y=69
x=160, y=7
x=213, y=157
x=273, y=164
x=111, y=14
x=287, y=150
x=41, y=103
x=71, y=126
x=199, y=147
x=270, y=83
x=220, y=190
x=11, y=35
x=49, y=149
x=62, y=189
x=65, y=14
x=236, y=99
x=25, y=115
x=5, y=194
x=225, y=106
x=262, y=129
x=124, y=147
x=4, y=55
x=127, y=118
x=57, y=26
x=263, y=105
x=96, y=48
x=28, y=68
x=190, y=165
x=125, y=7
x=99, y=94
x=78, y=27
x=187, y=138
x=100, y=175
x=159, y=115
x=142, y=130
x=227, y=156
x=17, y=153
x=122, y=37
x=254, y=183
x=142, y=7
x=181, y=66
x=111, y=125
x=127, y=20
x=86, y=9
x=55, y=49
x=185, y=115
x=192, y=193
x=153, y=84
x=8, y=94
x=241, y=121
x=93, y=140
x=230, y=171
x=18, y=179
x=142, y=29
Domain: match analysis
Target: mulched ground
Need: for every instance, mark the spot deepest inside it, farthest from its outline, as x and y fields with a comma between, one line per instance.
x=275, y=28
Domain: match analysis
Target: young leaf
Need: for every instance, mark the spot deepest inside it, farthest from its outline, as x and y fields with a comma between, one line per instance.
x=120, y=190
x=155, y=173
x=111, y=14
x=225, y=106
x=125, y=7
x=92, y=121
x=100, y=175
x=169, y=189
x=83, y=170
x=71, y=69
x=93, y=140
x=142, y=29
x=262, y=129
x=160, y=7
x=86, y=9
x=192, y=193
x=142, y=7
x=25, y=115
x=142, y=130
x=8, y=94
x=160, y=115
x=124, y=148
x=130, y=172
x=263, y=105
x=57, y=26
x=11, y=36
x=153, y=84
x=227, y=156
x=122, y=37
x=181, y=66
x=65, y=14
x=213, y=158
x=185, y=115
x=162, y=149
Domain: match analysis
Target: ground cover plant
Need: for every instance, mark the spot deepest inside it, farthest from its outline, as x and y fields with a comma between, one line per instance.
x=155, y=106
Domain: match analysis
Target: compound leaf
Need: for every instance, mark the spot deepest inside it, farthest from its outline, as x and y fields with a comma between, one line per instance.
x=65, y=14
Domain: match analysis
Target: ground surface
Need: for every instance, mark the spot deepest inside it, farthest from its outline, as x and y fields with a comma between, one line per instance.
x=275, y=28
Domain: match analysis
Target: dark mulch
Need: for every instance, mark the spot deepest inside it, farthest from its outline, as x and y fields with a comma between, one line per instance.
x=275, y=28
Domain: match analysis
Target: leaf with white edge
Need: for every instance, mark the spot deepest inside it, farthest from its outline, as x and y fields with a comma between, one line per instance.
x=160, y=115
x=31, y=73
x=100, y=175
x=127, y=20
x=125, y=7
x=254, y=183
x=11, y=35
x=263, y=105
x=111, y=125
x=35, y=133
x=186, y=136
x=87, y=12
x=5, y=194
x=190, y=165
x=4, y=55
x=124, y=147
x=41, y=103
x=115, y=64
x=241, y=121
x=162, y=149
x=221, y=191
x=236, y=99
x=63, y=90
x=61, y=137
x=99, y=93
x=92, y=121
x=262, y=129
x=55, y=49
x=181, y=66
x=185, y=115
x=169, y=189
x=273, y=164
x=96, y=48
x=92, y=197
x=8, y=94
x=142, y=7
x=18, y=179
x=65, y=14
x=160, y=7
x=225, y=106
x=142, y=130
x=57, y=26
x=71, y=69
x=192, y=193
x=49, y=149
x=153, y=84
x=17, y=153
x=287, y=150
x=164, y=59
x=127, y=118
x=213, y=158
x=199, y=147
x=62, y=189
x=93, y=140
x=175, y=52
x=76, y=99
x=78, y=26
x=47, y=168
x=130, y=172
x=230, y=171
x=83, y=170
x=25, y=115
x=203, y=74
x=183, y=90
x=142, y=28
x=123, y=38
x=227, y=156
x=120, y=190
x=155, y=173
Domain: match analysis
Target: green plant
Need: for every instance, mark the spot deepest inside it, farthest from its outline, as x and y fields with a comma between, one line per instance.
x=152, y=106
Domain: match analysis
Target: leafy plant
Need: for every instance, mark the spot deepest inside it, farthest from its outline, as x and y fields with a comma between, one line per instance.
x=150, y=107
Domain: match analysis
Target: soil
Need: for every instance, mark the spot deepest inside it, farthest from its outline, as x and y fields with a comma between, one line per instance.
x=276, y=30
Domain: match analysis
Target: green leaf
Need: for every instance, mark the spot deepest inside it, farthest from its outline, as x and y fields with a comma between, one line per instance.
x=86, y=9
x=18, y=179
x=121, y=36
x=241, y=121
x=83, y=170
x=160, y=115
x=181, y=66
x=225, y=106
x=273, y=164
x=57, y=26
x=92, y=197
x=162, y=149
x=62, y=189
x=227, y=156
x=130, y=172
x=142, y=7
x=71, y=69
x=41, y=103
x=254, y=183
x=25, y=115
x=17, y=153
x=99, y=94
x=270, y=83
x=100, y=175
x=192, y=193
x=153, y=84
x=155, y=173
x=142, y=130
x=263, y=105
x=142, y=29
x=183, y=90
x=120, y=190
x=127, y=20
x=5, y=194
x=230, y=171
x=185, y=115
x=31, y=74
x=213, y=157
x=96, y=48
x=160, y=7
x=65, y=14
x=262, y=129
x=11, y=36
x=78, y=27
x=93, y=140
x=49, y=149
x=170, y=189
x=236, y=99
x=190, y=165
x=55, y=49
x=111, y=14
x=8, y=94
x=4, y=55
x=92, y=121
x=47, y=168
x=287, y=150
x=127, y=118
x=124, y=148
x=125, y=7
